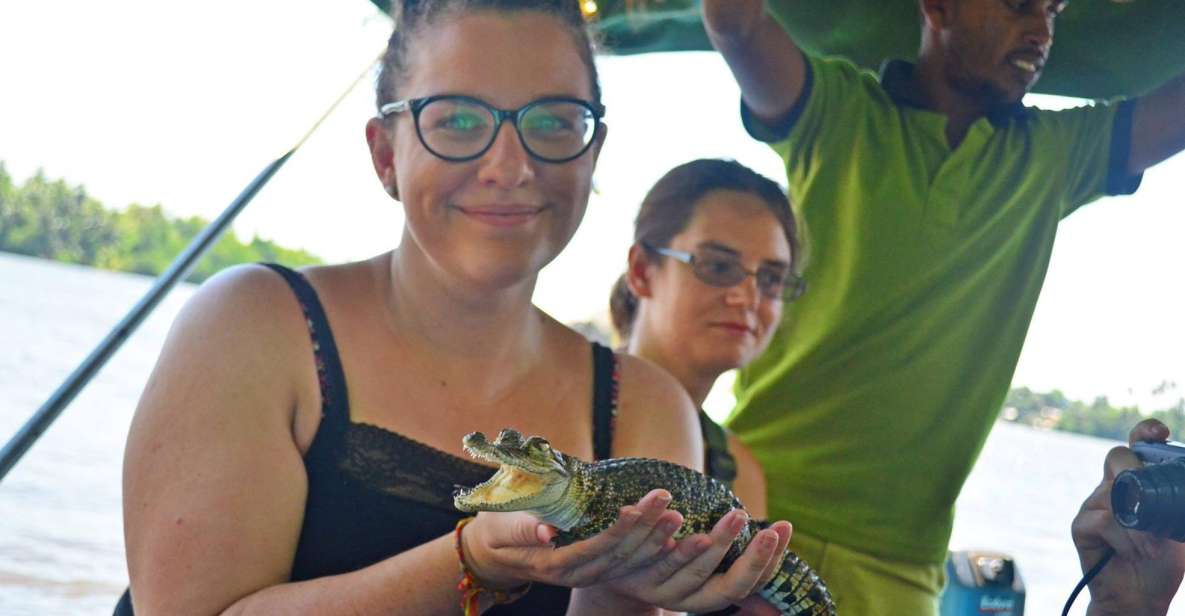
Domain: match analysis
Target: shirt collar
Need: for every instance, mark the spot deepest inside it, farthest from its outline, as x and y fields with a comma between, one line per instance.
x=896, y=79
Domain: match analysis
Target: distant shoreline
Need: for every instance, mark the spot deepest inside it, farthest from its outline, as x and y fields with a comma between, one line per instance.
x=49, y=219
x=1054, y=411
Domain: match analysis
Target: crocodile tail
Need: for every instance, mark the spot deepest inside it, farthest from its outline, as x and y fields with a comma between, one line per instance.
x=797, y=590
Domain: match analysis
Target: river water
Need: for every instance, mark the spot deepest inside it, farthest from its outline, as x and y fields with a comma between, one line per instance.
x=61, y=537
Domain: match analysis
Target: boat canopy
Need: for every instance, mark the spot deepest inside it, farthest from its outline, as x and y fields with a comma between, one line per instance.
x=1104, y=48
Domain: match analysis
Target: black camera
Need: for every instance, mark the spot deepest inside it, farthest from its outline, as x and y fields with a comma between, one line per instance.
x=1152, y=498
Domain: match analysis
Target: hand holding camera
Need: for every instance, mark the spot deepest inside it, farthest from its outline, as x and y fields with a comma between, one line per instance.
x=1146, y=570
x=1152, y=498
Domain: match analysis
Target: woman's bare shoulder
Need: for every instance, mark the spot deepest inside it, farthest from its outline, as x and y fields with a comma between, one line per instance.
x=252, y=303
x=242, y=327
x=655, y=415
x=238, y=294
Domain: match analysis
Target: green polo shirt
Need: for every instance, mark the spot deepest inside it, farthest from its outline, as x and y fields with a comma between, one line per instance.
x=884, y=379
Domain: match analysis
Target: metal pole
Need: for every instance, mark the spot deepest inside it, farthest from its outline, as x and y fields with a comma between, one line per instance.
x=37, y=424
x=41, y=420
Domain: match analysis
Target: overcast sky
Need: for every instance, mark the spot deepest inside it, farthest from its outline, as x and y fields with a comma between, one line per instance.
x=182, y=103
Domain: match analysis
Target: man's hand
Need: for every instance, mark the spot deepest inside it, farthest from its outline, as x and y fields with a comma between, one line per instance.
x=1146, y=571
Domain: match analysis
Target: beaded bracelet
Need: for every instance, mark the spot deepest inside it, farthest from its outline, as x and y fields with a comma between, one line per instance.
x=471, y=589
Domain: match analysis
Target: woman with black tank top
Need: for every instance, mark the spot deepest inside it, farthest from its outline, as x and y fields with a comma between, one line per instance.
x=297, y=445
x=716, y=310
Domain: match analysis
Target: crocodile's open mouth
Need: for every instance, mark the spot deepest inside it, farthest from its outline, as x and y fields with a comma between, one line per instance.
x=507, y=485
x=527, y=468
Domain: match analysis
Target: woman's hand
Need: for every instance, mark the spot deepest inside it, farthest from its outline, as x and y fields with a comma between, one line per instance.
x=508, y=549
x=1146, y=571
x=684, y=579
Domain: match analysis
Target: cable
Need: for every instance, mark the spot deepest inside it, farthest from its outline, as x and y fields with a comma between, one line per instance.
x=28, y=434
x=1090, y=575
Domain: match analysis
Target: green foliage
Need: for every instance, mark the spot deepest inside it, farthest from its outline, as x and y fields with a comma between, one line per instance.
x=1054, y=411
x=51, y=220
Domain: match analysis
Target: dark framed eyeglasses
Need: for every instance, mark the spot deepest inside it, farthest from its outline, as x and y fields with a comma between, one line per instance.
x=720, y=270
x=461, y=128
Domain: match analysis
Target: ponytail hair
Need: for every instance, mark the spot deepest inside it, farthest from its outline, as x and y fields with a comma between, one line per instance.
x=623, y=307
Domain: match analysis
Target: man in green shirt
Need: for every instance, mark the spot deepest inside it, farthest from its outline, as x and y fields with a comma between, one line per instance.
x=931, y=197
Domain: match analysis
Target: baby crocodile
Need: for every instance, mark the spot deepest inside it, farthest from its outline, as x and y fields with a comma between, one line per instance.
x=582, y=499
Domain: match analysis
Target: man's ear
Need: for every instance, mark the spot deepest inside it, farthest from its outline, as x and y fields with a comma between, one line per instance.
x=639, y=273
x=382, y=155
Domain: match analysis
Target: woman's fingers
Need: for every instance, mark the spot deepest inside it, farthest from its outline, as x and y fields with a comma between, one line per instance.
x=658, y=543
x=744, y=577
x=638, y=548
x=589, y=560
x=649, y=534
x=685, y=578
x=783, y=530
x=672, y=562
x=641, y=532
x=695, y=582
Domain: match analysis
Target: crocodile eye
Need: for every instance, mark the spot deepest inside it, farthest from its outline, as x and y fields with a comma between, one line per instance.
x=537, y=443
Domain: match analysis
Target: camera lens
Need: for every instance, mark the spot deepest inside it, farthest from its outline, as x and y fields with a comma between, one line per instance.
x=1152, y=499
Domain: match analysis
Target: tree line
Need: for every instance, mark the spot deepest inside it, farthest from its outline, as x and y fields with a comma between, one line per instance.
x=1053, y=410
x=52, y=220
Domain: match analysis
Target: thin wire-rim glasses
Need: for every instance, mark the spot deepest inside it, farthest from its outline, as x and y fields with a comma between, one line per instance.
x=559, y=129
x=773, y=284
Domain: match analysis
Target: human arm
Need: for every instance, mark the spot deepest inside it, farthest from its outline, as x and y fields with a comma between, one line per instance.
x=1145, y=572
x=215, y=482
x=1158, y=126
x=768, y=66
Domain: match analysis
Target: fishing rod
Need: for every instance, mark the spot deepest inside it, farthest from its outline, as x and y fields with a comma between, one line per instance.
x=28, y=434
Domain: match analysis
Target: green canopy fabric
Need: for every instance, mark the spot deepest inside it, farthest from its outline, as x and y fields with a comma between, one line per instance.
x=1103, y=48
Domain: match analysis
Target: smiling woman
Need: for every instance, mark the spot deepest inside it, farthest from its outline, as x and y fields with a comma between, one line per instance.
x=342, y=497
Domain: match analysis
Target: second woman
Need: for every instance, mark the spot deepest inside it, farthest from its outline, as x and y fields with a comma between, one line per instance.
x=714, y=259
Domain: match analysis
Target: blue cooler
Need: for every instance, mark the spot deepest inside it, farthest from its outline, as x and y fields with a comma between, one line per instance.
x=982, y=583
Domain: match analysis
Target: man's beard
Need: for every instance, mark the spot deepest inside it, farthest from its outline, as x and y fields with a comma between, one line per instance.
x=981, y=90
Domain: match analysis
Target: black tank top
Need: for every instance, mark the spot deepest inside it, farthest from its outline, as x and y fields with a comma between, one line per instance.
x=373, y=493
x=718, y=460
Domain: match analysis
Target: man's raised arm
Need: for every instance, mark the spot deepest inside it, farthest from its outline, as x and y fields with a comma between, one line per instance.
x=764, y=60
x=1158, y=126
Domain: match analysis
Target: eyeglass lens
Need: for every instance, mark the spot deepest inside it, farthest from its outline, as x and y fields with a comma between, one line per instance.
x=721, y=271
x=551, y=130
